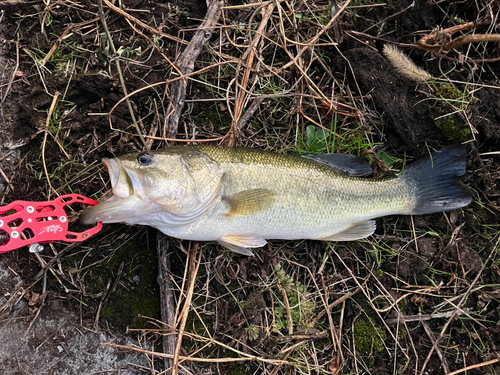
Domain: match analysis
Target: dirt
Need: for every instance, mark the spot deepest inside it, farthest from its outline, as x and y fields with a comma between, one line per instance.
x=409, y=124
x=55, y=324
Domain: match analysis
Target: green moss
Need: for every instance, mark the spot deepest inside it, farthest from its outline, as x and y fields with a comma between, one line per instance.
x=448, y=127
x=232, y=286
x=368, y=335
x=450, y=101
x=402, y=332
x=236, y=368
x=137, y=294
x=253, y=303
x=196, y=323
x=130, y=309
x=448, y=91
x=321, y=344
x=302, y=310
x=402, y=304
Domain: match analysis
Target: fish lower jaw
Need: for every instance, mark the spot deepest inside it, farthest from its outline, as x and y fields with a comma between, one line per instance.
x=116, y=209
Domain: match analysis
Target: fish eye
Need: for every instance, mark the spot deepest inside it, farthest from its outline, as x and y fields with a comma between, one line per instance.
x=144, y=159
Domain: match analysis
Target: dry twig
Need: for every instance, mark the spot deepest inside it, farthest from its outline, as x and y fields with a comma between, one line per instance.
x=193, y=264
x=142, y=24
x=432, y=337
x=205, y=360
x=422, y=317
x=241, y=87
x=166, y=297
x=440, y=40
x=477, y=365
x=47, y=123
x=185, y=63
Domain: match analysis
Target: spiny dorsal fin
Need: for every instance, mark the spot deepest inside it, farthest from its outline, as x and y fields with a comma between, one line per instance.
x=349, y=164
x=250, y=202
x=354, y=232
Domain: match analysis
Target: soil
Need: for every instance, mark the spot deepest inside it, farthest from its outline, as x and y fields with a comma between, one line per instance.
x=54, y=323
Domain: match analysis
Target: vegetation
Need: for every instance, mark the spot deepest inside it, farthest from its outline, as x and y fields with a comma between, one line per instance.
x=271, y=77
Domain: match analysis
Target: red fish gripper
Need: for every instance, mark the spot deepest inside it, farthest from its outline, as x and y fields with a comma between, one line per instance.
x=24, y=223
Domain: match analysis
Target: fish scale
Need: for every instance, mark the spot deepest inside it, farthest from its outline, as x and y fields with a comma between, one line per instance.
x=321, y=203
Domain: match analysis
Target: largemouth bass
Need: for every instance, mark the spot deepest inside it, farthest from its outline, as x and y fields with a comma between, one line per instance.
x=242, y=197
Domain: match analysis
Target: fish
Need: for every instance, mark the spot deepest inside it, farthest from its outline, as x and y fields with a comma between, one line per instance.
x=242, y=197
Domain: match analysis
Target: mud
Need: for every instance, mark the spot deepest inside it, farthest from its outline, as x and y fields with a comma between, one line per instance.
x=53, y=341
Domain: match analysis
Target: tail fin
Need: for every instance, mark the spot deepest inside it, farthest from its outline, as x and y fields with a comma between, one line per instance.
x=436, y=181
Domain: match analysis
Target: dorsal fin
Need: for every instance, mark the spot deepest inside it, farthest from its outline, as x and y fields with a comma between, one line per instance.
x=348, y=164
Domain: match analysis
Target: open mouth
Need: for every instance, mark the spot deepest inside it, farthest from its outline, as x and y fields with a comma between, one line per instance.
x=129, y=200
x=114, y=209
x=120, y=181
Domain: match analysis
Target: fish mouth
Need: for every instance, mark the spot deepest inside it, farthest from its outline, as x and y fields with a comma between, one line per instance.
x=104, y=212
x=120, y=180
x=108, y=167
x=123, y=205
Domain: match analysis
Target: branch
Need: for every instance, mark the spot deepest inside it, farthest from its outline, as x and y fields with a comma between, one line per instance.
x=186, y=65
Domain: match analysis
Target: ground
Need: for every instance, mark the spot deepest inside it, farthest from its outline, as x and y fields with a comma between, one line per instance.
x=309, y=85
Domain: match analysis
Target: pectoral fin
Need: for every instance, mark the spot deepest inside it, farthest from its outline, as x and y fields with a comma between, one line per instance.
x=241, y=243
x=354, y=232
x=250, y=202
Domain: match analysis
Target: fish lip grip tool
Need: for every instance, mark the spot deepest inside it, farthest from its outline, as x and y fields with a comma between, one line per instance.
x=25, y=223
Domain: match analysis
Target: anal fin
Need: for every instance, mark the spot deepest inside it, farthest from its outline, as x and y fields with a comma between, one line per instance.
x=242, y=243
x=356, y=231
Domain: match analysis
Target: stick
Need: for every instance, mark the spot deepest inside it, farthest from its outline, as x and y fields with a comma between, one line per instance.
x=431, y=41
x=471, y=367
x=5, y=4
x=197, y=359
x=186, y=65
x=421, y=318
x=166, y=298
x=432, y=337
